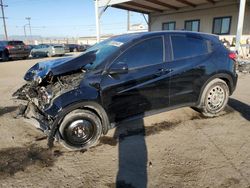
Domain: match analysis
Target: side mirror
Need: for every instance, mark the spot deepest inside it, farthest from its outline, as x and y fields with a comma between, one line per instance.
x=118, y=68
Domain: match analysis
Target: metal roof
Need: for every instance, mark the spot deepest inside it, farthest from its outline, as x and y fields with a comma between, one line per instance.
x=149, y=6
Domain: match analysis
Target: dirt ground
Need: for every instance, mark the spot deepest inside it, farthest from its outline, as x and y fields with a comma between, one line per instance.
x=172, y=149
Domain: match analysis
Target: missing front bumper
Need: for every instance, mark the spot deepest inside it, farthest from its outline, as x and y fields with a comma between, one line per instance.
x=34, y=116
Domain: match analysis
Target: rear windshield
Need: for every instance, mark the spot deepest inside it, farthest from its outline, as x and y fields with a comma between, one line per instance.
x=15, y=43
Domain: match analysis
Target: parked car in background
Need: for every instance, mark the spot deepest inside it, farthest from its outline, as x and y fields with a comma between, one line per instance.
x=133, y=75
x=13, y=50
x=31, y=46
x=66, y=48
x=77, y=47
x=86, y=46
x=73, y=47
x=48, y=50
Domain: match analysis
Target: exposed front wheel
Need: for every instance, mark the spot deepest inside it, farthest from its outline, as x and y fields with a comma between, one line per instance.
x=80, y=129
x=214, y=98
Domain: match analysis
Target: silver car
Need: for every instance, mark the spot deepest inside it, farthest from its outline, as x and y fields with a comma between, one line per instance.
x=48, y=50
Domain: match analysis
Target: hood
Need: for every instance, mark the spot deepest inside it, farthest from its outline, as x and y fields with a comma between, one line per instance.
x=58, y=66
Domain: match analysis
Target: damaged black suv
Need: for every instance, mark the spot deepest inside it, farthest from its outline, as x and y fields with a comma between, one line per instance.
x=78, y=99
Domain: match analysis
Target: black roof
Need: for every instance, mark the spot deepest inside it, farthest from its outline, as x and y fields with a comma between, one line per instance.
x=140, y=35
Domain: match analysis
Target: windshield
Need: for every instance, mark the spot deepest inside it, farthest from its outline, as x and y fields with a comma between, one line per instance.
x=101, y=51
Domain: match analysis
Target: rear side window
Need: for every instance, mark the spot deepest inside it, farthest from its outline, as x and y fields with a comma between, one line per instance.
x=15, y=43
x=147, y=52
x=184, y=46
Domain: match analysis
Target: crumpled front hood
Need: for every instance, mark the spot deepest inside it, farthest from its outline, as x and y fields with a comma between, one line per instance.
x=58, y=66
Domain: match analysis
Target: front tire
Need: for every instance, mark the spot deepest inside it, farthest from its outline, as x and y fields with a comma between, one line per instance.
x=80, y=130
x=214, y=98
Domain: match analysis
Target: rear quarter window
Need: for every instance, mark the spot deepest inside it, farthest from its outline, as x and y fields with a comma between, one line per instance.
x=186, y=46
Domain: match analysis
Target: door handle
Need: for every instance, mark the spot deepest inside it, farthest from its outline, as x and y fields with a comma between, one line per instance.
x=159, y=72
x=162, y=71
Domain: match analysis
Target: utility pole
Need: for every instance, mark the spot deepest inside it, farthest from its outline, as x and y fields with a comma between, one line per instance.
x=3, y=17
x=97, y=21
x=240, y=24
x=128, y=20
x=24, y=29
x=29, y=18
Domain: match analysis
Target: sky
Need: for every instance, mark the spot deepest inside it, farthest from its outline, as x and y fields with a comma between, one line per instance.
x=63, y=18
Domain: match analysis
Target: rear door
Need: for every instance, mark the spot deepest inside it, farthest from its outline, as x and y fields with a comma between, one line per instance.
x=144, y=87
x=190, y=56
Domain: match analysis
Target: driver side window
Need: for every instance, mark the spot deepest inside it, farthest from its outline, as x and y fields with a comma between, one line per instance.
x=145, y=53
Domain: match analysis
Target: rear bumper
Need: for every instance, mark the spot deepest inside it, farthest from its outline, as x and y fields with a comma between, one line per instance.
x=235, y=81
x=19, y=54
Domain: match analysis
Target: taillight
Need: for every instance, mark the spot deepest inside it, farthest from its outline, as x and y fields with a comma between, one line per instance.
x=10, y=47
x=232, y=55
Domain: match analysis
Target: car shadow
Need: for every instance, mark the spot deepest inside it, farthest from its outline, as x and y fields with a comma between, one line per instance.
x=133, y=156
x=132, y=148
x=7, y=109
x=242, y=108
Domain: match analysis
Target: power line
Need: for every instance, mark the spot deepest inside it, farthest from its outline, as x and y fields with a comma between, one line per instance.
x=3, y=17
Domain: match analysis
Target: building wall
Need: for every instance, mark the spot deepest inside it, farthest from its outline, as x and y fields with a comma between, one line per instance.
x=206, y=15
x=92, y=40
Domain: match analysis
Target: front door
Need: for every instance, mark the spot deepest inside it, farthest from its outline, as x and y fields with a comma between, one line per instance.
x=144, y=87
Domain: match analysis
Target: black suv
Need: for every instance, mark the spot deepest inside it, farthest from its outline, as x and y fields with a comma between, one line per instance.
x=76, y=100
x=13, y=50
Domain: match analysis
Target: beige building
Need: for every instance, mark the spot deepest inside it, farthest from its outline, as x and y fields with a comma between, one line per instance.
x=220, y=18
x=90, y=40
x=227, y=18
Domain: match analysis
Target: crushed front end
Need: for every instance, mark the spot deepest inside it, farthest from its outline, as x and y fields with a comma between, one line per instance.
x=38, y=94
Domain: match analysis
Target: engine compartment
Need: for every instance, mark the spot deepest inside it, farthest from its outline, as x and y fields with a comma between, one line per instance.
x=34, y=97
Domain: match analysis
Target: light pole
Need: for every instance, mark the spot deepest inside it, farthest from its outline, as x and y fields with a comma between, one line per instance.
x=3, y=17
x=29, y=18
x=24, y=29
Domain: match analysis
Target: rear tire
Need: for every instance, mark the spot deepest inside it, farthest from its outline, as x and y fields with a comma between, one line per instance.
x=80, y=130
x=5, y=56
x=26, y=57
x=49, y=54
x=214, y=98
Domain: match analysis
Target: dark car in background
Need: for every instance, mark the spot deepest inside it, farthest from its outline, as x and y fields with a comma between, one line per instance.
x=13, y=50
x=77, y=47
x=133, y=75
x=66, y=48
